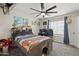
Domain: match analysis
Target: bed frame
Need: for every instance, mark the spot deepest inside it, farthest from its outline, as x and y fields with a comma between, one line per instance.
x=37, y=51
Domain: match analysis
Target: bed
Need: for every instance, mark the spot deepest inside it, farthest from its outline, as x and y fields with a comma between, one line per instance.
x=33, y=45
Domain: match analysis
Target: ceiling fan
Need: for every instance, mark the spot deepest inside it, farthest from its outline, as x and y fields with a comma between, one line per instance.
x=42, y=12
x=5, y=7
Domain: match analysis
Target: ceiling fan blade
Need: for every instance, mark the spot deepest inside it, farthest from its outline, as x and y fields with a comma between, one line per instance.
x=38, y=15
x=51, y=8
x=52, y=12
x=34, y=13
x=42, y=6
x=35, y=10
x=48, y=14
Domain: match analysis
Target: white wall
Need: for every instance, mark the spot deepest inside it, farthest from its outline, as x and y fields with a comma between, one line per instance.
x=6, y=22
x=41, y=23
x=5, y=25
x=70, y=26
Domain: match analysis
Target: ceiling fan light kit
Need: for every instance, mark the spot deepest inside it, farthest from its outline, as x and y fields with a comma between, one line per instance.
x=42, y=14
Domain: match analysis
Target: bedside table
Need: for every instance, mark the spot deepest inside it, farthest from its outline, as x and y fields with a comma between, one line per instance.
x=4, y=51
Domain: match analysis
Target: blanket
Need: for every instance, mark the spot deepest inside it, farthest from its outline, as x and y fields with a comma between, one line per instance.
x=30, y=41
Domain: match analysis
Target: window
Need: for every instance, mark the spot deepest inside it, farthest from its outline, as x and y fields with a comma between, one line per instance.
x=57, y=26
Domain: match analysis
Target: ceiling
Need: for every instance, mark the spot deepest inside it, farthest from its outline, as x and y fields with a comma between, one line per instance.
x=62, y=8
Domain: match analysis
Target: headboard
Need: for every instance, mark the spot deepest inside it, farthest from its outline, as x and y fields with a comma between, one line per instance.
x=19, y=31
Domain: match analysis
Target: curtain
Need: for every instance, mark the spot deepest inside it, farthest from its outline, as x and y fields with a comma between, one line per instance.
x=66, y=36
x=48, y=24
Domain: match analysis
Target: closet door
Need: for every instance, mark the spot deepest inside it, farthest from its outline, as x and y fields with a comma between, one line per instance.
x=76, y=31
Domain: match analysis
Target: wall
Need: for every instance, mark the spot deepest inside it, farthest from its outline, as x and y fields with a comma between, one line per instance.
x=41, y=23
x=6, y=22
x=70, y=26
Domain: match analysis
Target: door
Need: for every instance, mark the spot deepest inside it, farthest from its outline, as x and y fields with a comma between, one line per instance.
x=76, y=31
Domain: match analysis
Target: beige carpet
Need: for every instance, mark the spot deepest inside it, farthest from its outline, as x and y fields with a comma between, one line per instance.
x=64, y=50
x=58, y=38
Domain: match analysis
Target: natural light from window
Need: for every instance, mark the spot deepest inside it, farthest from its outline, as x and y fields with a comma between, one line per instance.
x=57, y=26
